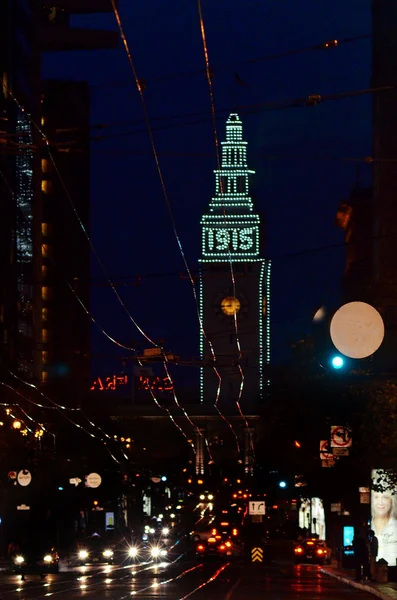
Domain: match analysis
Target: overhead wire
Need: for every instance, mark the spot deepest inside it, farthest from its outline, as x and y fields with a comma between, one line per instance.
x=222, y=191
x=54, y=404
x=308, y=101
x=79, y=300
x=82, y=226
x=61, y=410
x=165, y=194
x=320, y=46
x=46, y=141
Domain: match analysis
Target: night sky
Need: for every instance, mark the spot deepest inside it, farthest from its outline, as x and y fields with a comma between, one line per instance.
x=296, y=152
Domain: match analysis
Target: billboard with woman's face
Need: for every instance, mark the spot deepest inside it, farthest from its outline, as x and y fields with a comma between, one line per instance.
x=384, y=516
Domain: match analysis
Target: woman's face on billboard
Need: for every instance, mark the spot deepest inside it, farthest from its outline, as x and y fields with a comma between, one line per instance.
x=381, y=503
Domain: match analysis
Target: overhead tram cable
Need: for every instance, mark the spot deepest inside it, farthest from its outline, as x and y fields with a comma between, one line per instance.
x=321, y=46
x=45, y=138
x=167, y=200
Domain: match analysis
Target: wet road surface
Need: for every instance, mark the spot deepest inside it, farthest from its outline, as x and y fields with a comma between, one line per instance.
x=181, y=579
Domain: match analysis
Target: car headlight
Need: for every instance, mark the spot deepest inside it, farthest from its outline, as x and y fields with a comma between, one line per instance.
x=163, y=552
x=19, y=559
x=202, y=497
x=210, y=497
x=108, y=553
x=155, y=552
x=151, y=530
x=83, y=554
x=133, y=552
x=48, y=558
x=165, y=531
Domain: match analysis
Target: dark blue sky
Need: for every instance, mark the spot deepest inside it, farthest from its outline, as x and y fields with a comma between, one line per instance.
x=297, y=192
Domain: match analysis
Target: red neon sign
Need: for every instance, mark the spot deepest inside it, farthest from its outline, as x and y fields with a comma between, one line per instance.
x=156, y=384
x=106, y=384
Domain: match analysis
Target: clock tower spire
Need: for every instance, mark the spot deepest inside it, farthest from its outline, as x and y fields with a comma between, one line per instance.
x=231, y=250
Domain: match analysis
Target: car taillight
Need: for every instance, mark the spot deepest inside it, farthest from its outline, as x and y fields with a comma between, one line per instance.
x=200, y=547
x=235, y=532
x=218, y=537
x=298, y=550
x=213, y=532
x=228, y=544
x=222, y=547
x=319, y=551
x=211, y=540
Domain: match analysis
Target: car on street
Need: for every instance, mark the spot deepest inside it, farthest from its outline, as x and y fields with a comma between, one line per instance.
x=144, y=551
x=220, y=548
x=312, y=550
x=35, y=556
x=93, y=550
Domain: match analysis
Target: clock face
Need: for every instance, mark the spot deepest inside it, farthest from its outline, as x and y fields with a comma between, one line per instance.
x=230, y=305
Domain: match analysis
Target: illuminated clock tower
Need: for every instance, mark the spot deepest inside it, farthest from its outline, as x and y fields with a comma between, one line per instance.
x=234, y=284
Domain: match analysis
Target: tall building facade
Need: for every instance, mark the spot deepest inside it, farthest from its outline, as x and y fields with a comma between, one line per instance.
x=65, y=256
x=44, y=334
x=234, y=285
x=355, y=217
x=384, y=153
x=19, y=182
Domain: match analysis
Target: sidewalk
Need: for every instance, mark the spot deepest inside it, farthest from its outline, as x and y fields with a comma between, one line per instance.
x=386, y=591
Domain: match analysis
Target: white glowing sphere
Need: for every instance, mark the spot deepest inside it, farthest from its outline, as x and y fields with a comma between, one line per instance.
x=357, y=330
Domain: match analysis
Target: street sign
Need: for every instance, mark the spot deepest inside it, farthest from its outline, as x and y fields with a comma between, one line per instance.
x=336, y=507
x=93, y=480
x=24, y=478
x=12, y=474
x=257, y=507
x=340, y=451
x=257, y=518
x=325, y=453
x=75, y=481
x=340, y=437
x=364, y=490
x=257, y=555
x=23, y=507
x=328, y=463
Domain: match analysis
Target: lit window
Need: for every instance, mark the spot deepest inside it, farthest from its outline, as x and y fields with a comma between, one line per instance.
x=44, y=357
x=43, y=119
x=46, y=293
x=46, y=186
x=44, y=335
x=44, y=271
x=46, y=229
x=46, y=250
x=44, y=314
x=45, y=165
x=44, y=376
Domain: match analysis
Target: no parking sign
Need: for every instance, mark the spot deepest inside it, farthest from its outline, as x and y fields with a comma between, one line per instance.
x=340, y=437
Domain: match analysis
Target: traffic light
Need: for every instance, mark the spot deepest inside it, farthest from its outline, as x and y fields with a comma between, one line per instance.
x=337, y=362
x=282, y=484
